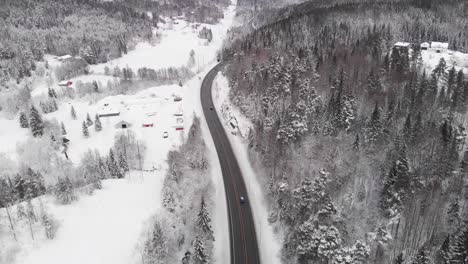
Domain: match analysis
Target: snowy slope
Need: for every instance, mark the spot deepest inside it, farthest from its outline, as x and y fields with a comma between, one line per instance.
x=103, y=227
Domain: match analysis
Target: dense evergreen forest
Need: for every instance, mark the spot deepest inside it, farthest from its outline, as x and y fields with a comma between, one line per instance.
x=362, y=148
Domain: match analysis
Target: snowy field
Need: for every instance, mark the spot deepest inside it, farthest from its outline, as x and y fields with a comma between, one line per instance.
x=431, y=58
x=105, y=227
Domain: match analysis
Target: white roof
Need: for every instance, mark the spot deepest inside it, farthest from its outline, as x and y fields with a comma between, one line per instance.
x=439, y=45
x=402, y=44
x=425, y=44
x=65, y=57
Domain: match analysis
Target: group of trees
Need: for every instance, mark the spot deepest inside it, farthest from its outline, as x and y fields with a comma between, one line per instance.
x=95, y=30
x=325, y=89
x=187, y=204
x=34, y=122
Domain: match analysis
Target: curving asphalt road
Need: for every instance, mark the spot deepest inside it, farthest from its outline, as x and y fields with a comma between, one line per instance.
x=243, y=239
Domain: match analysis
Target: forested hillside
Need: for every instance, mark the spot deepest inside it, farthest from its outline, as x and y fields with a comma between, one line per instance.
x=94, y=30
x=360, y=146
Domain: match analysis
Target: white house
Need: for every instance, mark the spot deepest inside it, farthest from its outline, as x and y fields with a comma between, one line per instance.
x=402, y=45
x=123, y=124
x=439, y=47
x=64, y=58
x=425, y=46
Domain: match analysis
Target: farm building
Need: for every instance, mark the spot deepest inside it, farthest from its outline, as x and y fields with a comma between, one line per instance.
x=123, y=124
x=439, y=47
x=64, y=58
x=65, y=83
x=425, y=46
x=402, y=45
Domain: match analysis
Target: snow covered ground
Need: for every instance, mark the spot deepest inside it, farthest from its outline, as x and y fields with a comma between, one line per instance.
x=105, y=226
x=431, y=58
x=178, y=39
x=269, y=243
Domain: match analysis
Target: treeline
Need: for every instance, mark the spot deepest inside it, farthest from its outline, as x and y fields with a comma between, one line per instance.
x=204, y=11
x=363, y=151
x=95, y=30
x=184, y=226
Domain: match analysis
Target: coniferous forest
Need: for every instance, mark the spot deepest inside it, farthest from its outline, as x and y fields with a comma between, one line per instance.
x=360, y=143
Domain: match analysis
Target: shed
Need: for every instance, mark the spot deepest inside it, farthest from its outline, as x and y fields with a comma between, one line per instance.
x=439, y=46
x=64, y=58
x=425, y=46
x=402, y=45
x=123, y=124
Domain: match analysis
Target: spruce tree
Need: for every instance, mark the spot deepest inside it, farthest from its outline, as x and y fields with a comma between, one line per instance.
x=453, y=214
x=199, y=252
x=113, y=168
x=35, y=122
x=123, y=164
x=97, y=123
x=443, y=254
x=459, y=251
x=73, y=113
x=204, y=221
x=421, y=258
x=23, y=119
x=89, y=122
x=356, y=143
x=399, y=259
x=85, y=129
x=64, y=131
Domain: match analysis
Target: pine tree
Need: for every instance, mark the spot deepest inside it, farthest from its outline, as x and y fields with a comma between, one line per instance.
x=204, y=221
x=23, y=119
x=64, y=131
x=399, y=259
x=113, y=168
x=199, y=252
x=453, y=214
x=459, y=250
x=73, y=113
x=443, y=254
x=35, y=122
x=421, y=258
x=123, y=164
x=52, y=93
x=374, y=125
x=85, y=129
x=89, y=122
x=97, y=123
x=356, y=143
x=95, y=87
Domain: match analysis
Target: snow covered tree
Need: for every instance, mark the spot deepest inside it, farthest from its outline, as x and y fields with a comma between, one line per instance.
x=200, y=255
x=113, y=168
x=85, y=129
x=35, y=122
x=204, y=221
x=123, y=163
x=73, y=113
x=52, y=93
x=95, y=86
x=23, y=119
x=374, y=129
x=421, y=257
x=453, y=214
x=399, y=259
x=459, y=250
x=62, y=127
x=360, y=252
x=97, y=123
x=64, y=191
x=89, y=122
x=443, y=254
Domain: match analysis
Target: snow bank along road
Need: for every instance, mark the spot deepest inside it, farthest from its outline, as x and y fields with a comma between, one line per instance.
x=244, y=248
